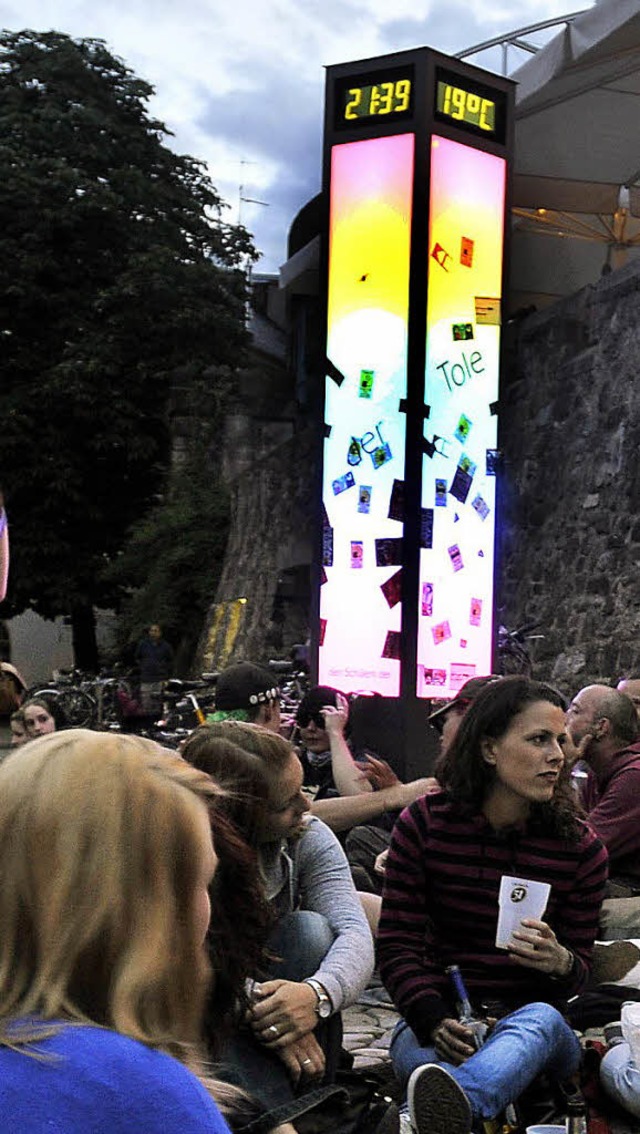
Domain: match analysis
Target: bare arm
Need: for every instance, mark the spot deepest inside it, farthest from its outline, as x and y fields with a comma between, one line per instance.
x=348, y=777
x=347, y=811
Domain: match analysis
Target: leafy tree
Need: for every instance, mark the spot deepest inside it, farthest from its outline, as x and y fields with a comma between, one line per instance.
x=119, y=284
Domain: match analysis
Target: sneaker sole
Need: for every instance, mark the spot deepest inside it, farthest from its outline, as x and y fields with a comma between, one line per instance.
x=437, y=1104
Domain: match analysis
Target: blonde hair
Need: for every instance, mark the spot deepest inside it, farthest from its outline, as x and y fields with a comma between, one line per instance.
x=100, y=846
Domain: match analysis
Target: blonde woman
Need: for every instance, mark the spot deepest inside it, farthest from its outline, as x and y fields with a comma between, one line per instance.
x=106, y=859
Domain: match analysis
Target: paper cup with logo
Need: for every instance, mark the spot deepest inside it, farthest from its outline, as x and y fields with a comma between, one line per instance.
x=519, y=898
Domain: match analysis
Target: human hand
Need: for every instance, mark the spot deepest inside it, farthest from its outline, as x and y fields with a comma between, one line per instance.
x=535, y=946
x=303, y=1058
x=283, y=1011
x=408, y=793
x=336, y=716
x=379, y=774
x=380, y=863
x=453, y=1041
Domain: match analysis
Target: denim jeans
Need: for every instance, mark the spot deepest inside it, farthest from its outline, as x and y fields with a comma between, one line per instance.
x=521, y=1046
x=299, y=941
x=620, y=1077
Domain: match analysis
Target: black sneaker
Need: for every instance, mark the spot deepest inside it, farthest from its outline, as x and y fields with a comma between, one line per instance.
x=613, y=1033
x=437, y=1105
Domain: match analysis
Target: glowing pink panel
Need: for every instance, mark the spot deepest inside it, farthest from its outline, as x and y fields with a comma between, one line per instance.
x=369, y=243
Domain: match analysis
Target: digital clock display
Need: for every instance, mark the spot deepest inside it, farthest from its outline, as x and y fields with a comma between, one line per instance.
x=473, y=107
x=366, y=99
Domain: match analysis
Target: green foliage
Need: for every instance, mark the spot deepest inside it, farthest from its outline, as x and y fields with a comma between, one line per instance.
x=122, y=293
x=168, y=570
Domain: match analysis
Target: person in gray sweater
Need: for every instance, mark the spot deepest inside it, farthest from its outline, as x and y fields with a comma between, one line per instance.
x=285, y=1048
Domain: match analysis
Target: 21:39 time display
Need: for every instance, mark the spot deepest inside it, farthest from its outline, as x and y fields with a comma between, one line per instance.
x=377, y=99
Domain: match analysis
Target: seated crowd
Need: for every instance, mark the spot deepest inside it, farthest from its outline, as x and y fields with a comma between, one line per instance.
x=180, y=933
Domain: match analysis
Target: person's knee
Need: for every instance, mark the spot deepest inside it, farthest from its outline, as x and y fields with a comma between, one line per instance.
x=301, y=940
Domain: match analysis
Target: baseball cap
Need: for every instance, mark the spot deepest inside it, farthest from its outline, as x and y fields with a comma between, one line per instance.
x=243, y=686
x=466, y=695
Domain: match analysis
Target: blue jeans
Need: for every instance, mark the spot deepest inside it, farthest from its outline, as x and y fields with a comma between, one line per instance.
x=523, y=1045
x=621, y=1077
x=300, y=940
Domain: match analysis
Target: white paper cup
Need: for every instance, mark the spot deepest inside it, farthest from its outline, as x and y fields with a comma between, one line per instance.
x=546, y=1129
x=519, y=898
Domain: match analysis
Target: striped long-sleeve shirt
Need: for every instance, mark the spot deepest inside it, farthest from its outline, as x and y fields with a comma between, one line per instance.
x=440, y=907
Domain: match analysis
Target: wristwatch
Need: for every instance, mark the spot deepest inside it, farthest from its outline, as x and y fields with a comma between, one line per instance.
x=324, y=1007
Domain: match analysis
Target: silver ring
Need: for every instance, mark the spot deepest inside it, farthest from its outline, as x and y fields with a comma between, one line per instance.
x=305, y=1061
x=272, y=1028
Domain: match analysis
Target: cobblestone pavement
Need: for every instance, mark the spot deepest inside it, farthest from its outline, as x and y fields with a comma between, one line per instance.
x=368, y=1026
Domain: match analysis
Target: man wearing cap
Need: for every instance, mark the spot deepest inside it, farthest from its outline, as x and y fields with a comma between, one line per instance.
x=247, y=692
x=446, y=719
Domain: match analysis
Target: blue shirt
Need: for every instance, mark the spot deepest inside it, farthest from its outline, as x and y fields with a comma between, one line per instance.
x=96, y=1081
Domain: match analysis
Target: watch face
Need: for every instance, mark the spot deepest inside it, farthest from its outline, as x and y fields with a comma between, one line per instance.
x=324, y=1008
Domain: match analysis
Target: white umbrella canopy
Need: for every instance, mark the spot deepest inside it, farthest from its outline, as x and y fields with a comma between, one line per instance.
x=576, y=197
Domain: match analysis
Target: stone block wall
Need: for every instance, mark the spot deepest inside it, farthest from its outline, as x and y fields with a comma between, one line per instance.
x=569, y=537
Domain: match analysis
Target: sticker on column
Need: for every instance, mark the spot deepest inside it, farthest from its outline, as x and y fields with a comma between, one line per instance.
x=354, y=452
x=357, y=553
x=323, y=630
x=389, y=552
x=342, y=483
x=426, y=527
x=463, y=428
x=364, y=498
x=461, y=332
x=441, y=633
x=434, y=676
x=365, y=387
x=392, y=588
x=462, y=480
x=455, y=555
x=391, y=648
x=475, y=613
x=487, y=310
x=466, y=252
x=426, y=603
x=441, y=493
x=480, y=506
x=381, y=455
x=396, y=501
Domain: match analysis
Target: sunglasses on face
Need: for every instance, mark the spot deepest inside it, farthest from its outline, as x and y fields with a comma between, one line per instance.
x=304, y=719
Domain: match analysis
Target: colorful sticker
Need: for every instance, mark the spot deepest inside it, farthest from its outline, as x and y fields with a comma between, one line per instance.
x=426, y=604
x=480, y=506
x=463, y=428
x=492, y=458
x=461, y=332
x=323, y=630
x=487, y=310
x=466, y=252
x=441, y=633
x=357, y=553
x=435, y=676
x=426, y=527
x=392, y=588
x=364, y=498
x=456, y=557
x=391, y=648
x=388, y=552
x=327, y=546
x=381, y=455
x=441, y=493
x=396, y=501
x=365, y=388
x=441, y=256
x=461, y=484
x=475, y=614
x=461, y=672
x=342, y=483
x=463, y=643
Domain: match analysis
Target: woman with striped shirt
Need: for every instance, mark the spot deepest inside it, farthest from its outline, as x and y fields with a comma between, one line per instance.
x=506, y=809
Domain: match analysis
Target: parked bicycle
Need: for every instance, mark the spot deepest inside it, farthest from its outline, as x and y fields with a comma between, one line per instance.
x=513, y=649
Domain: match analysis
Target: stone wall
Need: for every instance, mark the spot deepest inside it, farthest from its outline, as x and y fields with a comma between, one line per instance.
x=570, y=533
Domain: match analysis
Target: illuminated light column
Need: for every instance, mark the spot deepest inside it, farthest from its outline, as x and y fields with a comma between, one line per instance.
x=416, y=194
x=368, y=308
x=466, y=217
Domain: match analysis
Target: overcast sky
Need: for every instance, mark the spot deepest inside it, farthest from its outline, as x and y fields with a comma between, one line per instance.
x=240, y=83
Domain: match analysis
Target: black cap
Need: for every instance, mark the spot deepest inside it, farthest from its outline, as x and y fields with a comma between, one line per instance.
x=466, y=694
x=243, y=686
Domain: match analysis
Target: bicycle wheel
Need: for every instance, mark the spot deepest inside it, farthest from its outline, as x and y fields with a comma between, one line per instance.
x=79, y=708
